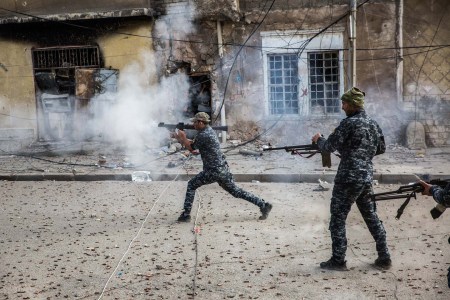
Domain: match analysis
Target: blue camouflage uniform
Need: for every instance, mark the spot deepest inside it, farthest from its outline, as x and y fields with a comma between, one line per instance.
x=442, y=196
x=356, y=139
x=215, y=169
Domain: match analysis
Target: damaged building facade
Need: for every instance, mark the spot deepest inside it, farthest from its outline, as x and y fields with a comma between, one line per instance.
x=273, y=69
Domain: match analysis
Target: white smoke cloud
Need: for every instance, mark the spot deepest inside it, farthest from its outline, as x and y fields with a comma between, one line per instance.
x=383, y=107
x=178, y=21
x=143, y=99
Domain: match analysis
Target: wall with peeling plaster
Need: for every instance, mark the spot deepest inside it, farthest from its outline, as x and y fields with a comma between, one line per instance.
x=17, y=104
x=119, y=50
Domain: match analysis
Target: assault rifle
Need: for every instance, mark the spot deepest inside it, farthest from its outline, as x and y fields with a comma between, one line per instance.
x=409, y=191
x=182, y=126
x=309, y=150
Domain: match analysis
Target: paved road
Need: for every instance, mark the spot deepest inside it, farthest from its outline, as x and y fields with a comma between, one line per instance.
x=119, y=240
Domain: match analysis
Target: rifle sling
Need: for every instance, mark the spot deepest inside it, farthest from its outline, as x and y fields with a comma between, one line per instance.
x=403, y=206
x=307, y=152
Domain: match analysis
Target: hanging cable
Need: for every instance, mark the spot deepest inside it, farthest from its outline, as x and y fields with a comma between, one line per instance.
x=136, y=236
x=235, y=59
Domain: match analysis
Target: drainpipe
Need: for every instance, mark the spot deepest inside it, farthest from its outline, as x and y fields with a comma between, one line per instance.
x=219, y=38
x=352, y=38
x=399, y=46
x=223, y=121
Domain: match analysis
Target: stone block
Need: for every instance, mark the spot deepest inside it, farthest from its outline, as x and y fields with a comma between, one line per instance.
x=428, y=122
x=415, y=136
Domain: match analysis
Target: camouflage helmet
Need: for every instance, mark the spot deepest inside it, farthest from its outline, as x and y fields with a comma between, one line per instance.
x=354, y=96
x=201, y=116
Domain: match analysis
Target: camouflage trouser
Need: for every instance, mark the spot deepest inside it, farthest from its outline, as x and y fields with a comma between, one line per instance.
x=448, y=273
x=344, y=195
x=225, y=180
x=448, y=277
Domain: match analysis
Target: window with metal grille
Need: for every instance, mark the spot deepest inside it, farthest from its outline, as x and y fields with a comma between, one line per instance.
x=283, y=84
x=66, y=57
x=324, y=82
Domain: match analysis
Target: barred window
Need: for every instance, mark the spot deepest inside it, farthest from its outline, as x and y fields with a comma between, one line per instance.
x=66, y=57
x=324, y=82
x=283, y=84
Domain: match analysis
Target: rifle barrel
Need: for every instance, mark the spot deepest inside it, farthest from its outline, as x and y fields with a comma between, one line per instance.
x=183, y=126
x=293, y=148
x=220, y=128
x=378, y=197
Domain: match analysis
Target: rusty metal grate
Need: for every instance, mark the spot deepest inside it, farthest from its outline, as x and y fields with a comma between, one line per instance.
x=66, y=57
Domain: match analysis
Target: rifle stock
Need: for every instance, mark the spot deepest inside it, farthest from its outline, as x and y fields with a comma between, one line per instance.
x=183, y=126
x=310, y=150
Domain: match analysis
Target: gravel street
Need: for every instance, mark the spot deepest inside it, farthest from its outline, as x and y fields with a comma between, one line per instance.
x=120, y=240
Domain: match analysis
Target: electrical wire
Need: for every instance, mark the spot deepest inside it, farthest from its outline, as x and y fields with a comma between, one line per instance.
x=301, y=49
x=371, y=52
x=237, y=55
x=135, y=237
x=184, y=40
x=195, y=231
x=303, y=46
x=437, y=47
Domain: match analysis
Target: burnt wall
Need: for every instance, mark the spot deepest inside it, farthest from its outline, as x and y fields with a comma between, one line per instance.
x=47, y=34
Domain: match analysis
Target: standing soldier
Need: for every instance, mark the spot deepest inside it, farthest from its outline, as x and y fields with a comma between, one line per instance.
x=442, y=198
x=215, y=168
x=440, y=195
x=358, y=139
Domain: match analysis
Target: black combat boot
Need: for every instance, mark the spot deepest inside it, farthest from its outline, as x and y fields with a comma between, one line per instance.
x=184, y=217
x=333, y=264
x=448, y=277
x=384, y=263
x=265, y=210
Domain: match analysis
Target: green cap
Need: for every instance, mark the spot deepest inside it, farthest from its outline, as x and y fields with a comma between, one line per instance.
x=201, y=116
x=354, y=96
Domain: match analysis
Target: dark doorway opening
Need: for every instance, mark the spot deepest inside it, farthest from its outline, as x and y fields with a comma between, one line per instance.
x=199, y=95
